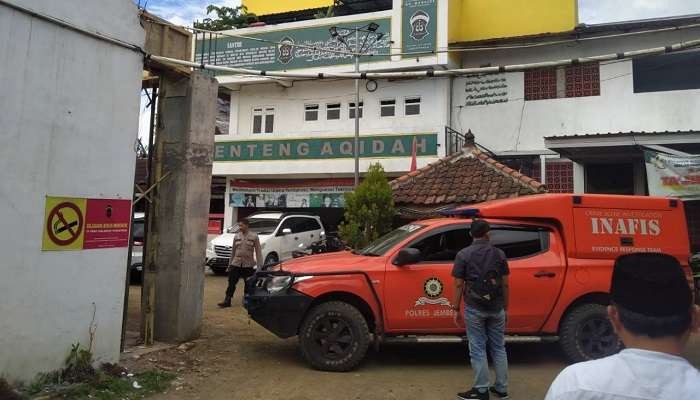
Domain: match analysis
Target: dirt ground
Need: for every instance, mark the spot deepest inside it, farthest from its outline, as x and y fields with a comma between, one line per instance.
x=236, y=359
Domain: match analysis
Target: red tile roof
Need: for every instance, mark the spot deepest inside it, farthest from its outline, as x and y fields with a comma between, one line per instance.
x=469, y=176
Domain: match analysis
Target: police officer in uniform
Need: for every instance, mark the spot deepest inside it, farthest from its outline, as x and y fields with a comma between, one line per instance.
x=242, y=264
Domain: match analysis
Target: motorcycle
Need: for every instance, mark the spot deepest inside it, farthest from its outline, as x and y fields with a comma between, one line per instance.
x=329, y=244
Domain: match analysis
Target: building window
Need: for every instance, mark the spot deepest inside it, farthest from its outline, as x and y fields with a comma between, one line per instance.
x=583, y=80
x=311, y=112
x=412, y=106
x=609, y=178
x=387, y=108
x=263, y=119
x=559, y=176
x=541, y=84
x=351, y=111
x=333, y=111
x=678, y=71
x=572, y=81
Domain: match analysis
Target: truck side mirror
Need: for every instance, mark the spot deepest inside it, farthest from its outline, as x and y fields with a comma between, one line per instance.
x=407, y=256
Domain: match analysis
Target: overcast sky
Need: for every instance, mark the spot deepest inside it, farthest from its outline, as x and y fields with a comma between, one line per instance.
x=183, y=12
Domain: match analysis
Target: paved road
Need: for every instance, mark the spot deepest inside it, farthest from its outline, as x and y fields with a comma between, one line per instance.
x=237, y=359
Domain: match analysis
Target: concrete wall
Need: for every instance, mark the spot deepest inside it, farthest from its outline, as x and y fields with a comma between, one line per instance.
x=68, y=120
x=289, y=121
x=520, y=125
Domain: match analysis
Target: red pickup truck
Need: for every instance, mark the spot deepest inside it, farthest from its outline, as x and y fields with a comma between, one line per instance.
x=560, y=250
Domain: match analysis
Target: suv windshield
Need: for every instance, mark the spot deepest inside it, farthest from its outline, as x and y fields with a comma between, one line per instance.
x=380, y=246
x=263, y=226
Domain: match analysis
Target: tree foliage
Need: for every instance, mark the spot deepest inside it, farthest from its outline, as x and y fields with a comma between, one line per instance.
x=327, y=13
x=226, y=18
x=369, y=210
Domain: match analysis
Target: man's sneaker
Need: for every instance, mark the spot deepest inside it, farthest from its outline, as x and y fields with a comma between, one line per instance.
x=500, y=395
x=474, y=394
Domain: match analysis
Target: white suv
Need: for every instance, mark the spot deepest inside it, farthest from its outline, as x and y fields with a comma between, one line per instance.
x=280, y=234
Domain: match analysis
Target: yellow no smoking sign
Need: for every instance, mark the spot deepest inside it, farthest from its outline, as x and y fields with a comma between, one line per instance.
x=64, y=223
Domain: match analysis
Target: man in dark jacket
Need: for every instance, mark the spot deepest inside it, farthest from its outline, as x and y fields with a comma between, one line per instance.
x=481, y=277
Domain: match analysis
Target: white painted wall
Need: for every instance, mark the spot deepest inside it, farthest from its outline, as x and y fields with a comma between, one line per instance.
x=289, y=122
x=68, y=121
x=520, y=125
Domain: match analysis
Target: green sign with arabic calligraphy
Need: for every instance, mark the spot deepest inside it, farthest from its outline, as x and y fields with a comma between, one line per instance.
x=250, y=53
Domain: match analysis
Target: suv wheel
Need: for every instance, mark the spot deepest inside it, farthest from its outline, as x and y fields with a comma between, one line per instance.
x=334, y=337
x=587, y=334
x=271, y=259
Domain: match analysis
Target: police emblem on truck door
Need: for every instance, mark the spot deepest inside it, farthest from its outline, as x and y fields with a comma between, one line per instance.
x=419, y=24
x=286, y=50
x=432, y=288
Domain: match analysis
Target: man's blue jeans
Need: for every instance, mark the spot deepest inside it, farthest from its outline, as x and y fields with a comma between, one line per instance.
x=487, y=328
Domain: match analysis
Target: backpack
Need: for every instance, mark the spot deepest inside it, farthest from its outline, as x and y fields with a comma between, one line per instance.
x=487, y=288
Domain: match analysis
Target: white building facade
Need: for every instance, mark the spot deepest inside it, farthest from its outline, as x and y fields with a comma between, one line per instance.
x=289, y=143
x=524, y=118
x=621, y=96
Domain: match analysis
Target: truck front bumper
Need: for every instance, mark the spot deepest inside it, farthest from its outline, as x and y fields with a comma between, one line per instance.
x=280, y=313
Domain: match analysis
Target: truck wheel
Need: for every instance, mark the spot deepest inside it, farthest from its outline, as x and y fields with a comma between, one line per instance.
x=587, y=334
x=334, y=337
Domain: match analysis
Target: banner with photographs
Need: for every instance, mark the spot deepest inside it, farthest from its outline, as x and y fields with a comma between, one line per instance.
x=292, y=197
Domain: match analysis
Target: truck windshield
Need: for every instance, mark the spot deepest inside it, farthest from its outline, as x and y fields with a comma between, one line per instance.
x=380, y=246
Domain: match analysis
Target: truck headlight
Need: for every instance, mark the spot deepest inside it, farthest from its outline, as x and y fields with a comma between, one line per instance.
x=277, y=284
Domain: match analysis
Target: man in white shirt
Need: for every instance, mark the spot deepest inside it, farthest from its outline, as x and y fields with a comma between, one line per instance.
x=652, y=312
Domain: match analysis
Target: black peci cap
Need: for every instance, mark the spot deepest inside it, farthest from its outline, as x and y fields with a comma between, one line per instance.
x=650, y=284
x=479, y=228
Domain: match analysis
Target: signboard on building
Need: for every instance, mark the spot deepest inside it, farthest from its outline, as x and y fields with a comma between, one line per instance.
x=669, y=175
x=276, y=50
x=419, y=26
x=251, y=195
x=318, y=148
x=80, y=224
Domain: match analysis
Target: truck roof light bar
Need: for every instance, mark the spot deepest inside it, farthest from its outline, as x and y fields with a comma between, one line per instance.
x=463, y=212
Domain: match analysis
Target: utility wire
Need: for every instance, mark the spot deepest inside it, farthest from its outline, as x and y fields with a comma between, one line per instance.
x=442, y=49
x=362, y=75
x=433, y=73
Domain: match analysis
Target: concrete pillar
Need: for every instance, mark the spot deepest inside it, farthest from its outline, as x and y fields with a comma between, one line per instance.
x=184, y=149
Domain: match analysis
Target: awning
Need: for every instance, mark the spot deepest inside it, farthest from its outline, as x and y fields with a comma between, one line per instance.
x=621, y=145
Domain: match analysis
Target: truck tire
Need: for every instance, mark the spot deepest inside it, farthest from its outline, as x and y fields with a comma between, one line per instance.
x=334, y=336
x=587, y=334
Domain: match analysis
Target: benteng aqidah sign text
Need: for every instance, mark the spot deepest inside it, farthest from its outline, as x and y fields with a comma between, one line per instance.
x=325, y=148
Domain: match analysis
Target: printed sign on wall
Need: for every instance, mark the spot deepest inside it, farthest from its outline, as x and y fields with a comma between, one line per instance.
x=250, y=53
x=675, y=176
x=419, y=26
x=79, y=224
x=320, y=148
x=288, y=197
